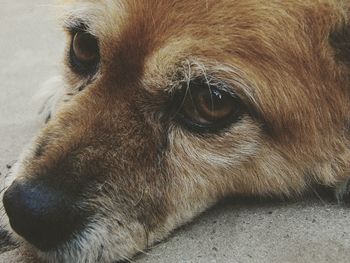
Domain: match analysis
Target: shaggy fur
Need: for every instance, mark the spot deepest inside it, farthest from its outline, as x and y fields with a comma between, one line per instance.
x=141, y=173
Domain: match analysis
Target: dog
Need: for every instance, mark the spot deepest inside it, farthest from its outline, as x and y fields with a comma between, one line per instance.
x=165, y=107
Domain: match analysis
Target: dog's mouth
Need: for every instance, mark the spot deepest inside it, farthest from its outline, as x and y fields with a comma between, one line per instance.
x=60, y=227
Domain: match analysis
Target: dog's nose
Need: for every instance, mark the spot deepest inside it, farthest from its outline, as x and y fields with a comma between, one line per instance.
x=40, y=214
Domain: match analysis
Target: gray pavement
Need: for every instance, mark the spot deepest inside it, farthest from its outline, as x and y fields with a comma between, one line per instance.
x=31, y=47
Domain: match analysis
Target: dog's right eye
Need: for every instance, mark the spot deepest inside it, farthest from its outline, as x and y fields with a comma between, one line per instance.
x=84, y=53
x=202, y=107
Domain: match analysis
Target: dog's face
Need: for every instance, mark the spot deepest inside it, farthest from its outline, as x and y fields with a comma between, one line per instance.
x=168, y=106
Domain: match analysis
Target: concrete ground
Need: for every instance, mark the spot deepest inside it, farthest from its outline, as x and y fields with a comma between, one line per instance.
x=31, y=46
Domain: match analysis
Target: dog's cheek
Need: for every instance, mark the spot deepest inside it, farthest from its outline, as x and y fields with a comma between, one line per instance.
x=202, y=170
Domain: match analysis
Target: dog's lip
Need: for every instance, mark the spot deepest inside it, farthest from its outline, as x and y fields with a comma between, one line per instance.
x=47, y=247
x=49, y=244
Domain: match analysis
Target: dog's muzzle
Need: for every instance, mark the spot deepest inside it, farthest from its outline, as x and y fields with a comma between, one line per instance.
x=42, y=215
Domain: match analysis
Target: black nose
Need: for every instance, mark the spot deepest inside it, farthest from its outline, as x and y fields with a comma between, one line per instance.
x=40, y=214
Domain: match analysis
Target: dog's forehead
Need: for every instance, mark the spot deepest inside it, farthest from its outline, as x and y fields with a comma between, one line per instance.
x=157, y=35
x=226, y=26
x=156, y=22
x=163, y=33
x=214, y=29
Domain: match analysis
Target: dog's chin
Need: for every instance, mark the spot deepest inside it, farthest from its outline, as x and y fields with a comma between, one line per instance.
x=96, y=243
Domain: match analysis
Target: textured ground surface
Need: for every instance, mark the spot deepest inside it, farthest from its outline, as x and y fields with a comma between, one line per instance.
x=309, y=231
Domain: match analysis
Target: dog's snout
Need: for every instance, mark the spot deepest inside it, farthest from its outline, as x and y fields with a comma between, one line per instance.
x=40, y=214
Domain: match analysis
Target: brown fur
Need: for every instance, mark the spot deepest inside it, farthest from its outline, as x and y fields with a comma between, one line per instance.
x=141, y=174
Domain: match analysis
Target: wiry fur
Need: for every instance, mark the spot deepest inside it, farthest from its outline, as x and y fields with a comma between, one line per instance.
x=151, y=175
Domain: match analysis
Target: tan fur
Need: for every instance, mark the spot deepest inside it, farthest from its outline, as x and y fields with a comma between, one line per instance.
x=152, y=176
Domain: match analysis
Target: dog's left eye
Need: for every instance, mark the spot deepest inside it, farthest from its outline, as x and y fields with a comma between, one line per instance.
x=84, y=53
x=205, y=108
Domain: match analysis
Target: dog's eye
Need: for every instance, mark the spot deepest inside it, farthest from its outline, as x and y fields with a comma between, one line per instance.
x=84, y=53
x=207, y=108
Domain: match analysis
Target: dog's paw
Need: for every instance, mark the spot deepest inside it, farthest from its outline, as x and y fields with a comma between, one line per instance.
x=342, y=192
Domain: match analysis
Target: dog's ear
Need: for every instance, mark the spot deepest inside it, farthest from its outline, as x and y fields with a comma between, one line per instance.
x=340, y=41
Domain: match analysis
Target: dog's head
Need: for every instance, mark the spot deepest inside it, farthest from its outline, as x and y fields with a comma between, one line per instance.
x=169, y=106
